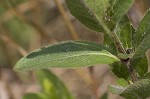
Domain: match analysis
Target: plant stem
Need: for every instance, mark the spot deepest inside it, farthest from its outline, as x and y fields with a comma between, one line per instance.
x=131, y=71
x=116, y=39
x=121, y=49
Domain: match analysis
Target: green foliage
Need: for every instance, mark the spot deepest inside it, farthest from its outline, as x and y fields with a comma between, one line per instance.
x=52, y=87
x=141, y=65
x=86, y=16
x=147, y=75
x=122, y=82
x=116, y=89
x=98, y=7
x=120, y=70
x=125, y=35
x=67, y=54
x=104, y=96
x=34, y=96
x=138, y=90
x=124, y=49
x=142, y=36
x=120, y=8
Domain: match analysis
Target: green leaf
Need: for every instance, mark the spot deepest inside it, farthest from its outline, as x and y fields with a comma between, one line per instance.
x=138, y=90
x=116, y=89
x=140, y=65
x=67, y=54
x=120, y=70
x=125, y=35
x=108, y=41
x=34, y=96
x=112, y=2
x=142, y=48
x=122, y=82
x=52, y=86
x=147, y=75
x=98, y=7
x=120, y=8
x=141, y=37
x=104, y=96
x=124, y=31
x=85, y=15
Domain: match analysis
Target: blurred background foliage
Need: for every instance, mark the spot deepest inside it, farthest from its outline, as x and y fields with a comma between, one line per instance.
x=26, y=25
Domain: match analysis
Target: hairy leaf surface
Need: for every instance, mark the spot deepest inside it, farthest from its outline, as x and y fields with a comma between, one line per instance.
x=120, y=8
x=138, y=90
x=141, y=37
x=120, y=70
x=125, y=35
x=98, y=7
x=84, y=14
x=140, y=65
x=116, y=89
x=67, y=54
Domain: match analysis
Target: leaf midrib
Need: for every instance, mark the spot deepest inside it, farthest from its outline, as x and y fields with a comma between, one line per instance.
x=83, y=54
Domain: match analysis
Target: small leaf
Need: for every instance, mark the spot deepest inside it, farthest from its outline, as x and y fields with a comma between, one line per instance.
x=142, y=48
x=67, y=54
x=122, y=82
x=120, y=8
x=52, y=86
x=122, y=32
x=49, y=88
x=142, y=30
x=84, y=14
x=125, y=35
x=120, y=70
x=34, y=96
x=104, y=96
x=98, y=7
x=116, y=89
x=140, y=65
x=138, y=90
x=108, y=41
x=147, y=75
x=112, y=3
x=141, y=37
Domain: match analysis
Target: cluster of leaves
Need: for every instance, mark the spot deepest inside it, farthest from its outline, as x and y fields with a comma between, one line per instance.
x=52, y=87
x=123, y=44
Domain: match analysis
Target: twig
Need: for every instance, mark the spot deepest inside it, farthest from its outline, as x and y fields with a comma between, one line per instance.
x=66, y=19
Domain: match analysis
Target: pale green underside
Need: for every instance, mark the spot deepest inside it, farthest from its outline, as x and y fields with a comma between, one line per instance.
x=66, y=54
